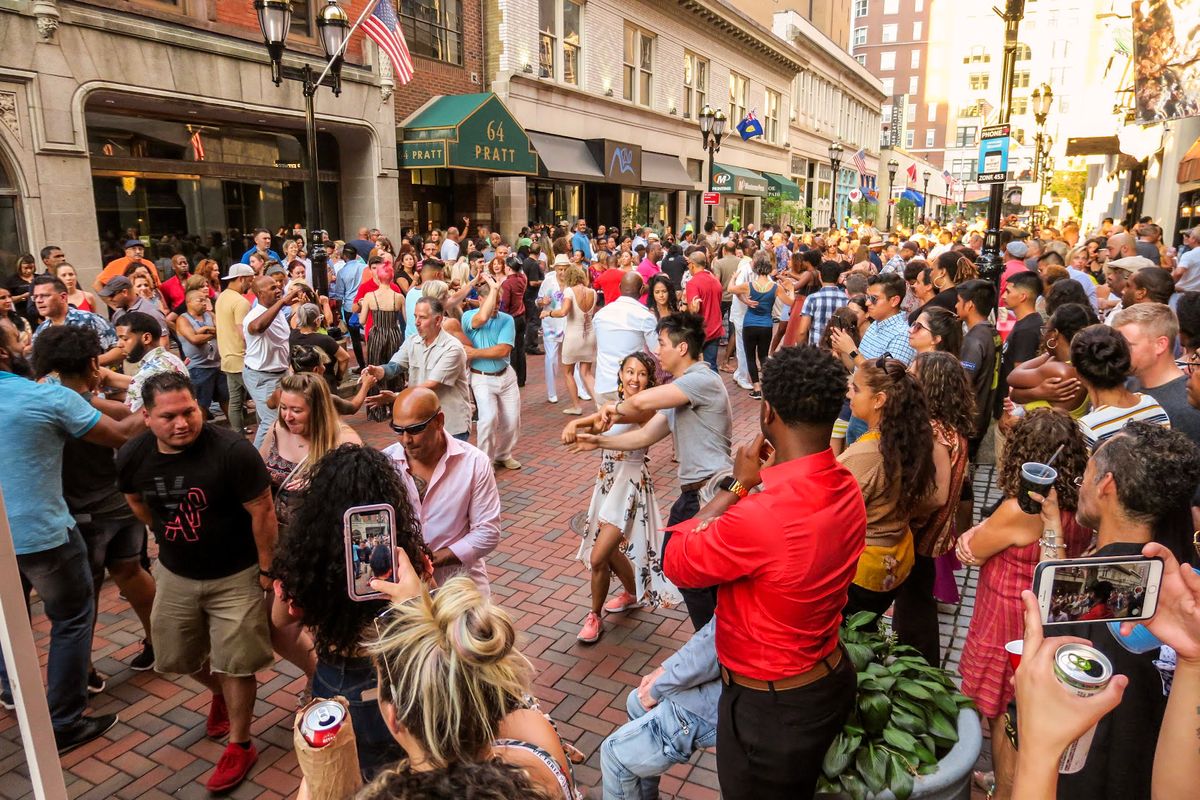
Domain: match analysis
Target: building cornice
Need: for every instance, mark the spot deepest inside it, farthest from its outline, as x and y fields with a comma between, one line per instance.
x=729, y=20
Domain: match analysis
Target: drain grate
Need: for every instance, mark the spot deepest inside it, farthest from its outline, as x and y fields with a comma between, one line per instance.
x=579, y=523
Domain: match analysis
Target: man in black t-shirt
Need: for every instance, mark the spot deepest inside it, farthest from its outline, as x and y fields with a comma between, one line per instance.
x=980, y=358
x=534, y=275
x=674, y=264
x=205, y=493
x=1025, y=339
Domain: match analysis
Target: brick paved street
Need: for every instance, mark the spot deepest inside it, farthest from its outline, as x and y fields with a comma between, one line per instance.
x=159, y=750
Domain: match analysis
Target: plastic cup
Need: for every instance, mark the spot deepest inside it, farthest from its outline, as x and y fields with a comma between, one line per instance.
x=1014, y=649
x=1038, y=478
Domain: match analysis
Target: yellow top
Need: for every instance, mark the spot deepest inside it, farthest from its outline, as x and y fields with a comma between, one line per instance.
x=889, y=554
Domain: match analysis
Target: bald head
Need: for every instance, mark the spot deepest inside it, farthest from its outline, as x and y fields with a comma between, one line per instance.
x=1121, y=245
x=265, y=289
x=414, y=405
x=631, y=285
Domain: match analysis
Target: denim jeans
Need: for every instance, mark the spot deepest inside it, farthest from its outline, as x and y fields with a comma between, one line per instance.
x=710, y=353
x=854, y=430
x=634, y=755
x=350, y=678
x=260, y=385
x=63, y=581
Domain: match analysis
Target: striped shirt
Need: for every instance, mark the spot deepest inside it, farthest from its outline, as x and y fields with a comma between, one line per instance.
x=888, y=336
x=820, y=306
x=1104, y=422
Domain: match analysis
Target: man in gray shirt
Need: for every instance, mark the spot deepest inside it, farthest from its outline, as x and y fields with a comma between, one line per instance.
x=695, y=408
x=434, y=360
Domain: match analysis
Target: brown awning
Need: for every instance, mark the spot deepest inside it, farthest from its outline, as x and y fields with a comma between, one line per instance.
x=1093, y=146
x=1189, y=167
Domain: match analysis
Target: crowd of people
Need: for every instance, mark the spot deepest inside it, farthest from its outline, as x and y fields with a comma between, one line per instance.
x=210, y=400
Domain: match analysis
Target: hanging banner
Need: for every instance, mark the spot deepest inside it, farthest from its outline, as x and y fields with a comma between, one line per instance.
x=1166, y=60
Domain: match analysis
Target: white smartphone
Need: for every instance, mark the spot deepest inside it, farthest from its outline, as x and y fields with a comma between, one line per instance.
x=370, y=534
x=1116, y=588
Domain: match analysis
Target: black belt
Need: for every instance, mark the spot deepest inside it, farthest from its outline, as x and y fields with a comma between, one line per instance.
x=695, y=486
x=491, y=374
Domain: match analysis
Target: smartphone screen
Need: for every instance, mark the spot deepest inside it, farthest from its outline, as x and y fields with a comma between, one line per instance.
x=370, y=540
x=1097, y=589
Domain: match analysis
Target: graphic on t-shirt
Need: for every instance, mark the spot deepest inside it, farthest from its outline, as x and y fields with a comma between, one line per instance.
x=185, y=504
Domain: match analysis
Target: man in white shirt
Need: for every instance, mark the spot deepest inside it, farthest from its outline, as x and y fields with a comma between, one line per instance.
x=450, y=245
x=622, y=327
x=550, y=296
x=1187, y=274
x=266, y=331
x=451, y=485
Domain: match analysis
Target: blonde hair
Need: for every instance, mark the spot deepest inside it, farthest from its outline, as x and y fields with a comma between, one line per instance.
x=461, y=272
x=435, y=288
x=449, y=664
x=575, y=276
x=1157, y=319
x=324, y=425
x=195, y=282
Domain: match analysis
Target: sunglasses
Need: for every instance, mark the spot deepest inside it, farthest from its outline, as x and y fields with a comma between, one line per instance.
x=917, y=326
x=413, y=430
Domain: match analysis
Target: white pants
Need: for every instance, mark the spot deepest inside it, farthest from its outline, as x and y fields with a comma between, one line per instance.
x=499, y=404
x=552, y=341
x=741, y=374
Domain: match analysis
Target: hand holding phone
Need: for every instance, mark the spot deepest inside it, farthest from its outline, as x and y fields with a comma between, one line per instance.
x=1118, y=588
x=370, y=543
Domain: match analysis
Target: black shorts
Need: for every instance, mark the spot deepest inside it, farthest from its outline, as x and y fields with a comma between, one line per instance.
x=112, y=540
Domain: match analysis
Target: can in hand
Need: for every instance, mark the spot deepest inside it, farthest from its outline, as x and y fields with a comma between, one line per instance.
x=1085, y=671
x=321, y=722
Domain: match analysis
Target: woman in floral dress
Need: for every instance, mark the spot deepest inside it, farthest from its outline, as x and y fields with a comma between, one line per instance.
x=624, y=533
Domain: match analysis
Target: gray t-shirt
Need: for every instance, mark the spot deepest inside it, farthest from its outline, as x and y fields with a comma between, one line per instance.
x=703, y=428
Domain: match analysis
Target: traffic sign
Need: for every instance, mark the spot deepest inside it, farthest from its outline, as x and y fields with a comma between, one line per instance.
x=710, y=198
x=993, y=154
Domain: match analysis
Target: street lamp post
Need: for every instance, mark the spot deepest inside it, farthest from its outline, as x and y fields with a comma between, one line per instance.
x=892, y=166
x=1041, y=98
x=925, y=195
x=835, y=161
x=712, y=129
x=333, y=25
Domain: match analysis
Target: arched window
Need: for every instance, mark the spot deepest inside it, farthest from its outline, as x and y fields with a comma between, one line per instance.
x=11, y=227
x=1023, y=53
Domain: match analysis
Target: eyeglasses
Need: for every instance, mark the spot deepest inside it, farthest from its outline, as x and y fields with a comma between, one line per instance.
x=413, y=430
x=872, y=299
x=917, y=326
x=1190, y=364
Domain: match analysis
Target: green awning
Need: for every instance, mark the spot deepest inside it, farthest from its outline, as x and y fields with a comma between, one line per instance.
x=779, y=186
x=738, y=180
x=471, y=131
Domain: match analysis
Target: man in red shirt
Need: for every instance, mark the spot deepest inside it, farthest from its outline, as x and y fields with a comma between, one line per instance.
x=608, y=282
x=782, y=560
x=703, y=294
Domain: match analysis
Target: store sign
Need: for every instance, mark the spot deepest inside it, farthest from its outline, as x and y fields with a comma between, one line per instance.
x=423, y=154
x=621, y=161
x=750, y=183
x=468, y=131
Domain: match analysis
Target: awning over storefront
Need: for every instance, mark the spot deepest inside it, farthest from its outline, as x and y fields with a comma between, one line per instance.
x=737, y=180
x=779, y=186
x=565, y=159
x=1189, y=167
x=1093, y=146
x=663, y=171
x=469, y=131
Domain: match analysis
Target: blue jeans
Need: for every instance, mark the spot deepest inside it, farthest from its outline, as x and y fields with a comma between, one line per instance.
x=635, y=754
x=351, y=678
x=710, y=353
x=210, y=385
x=854, y=430
x=63, y=581
x=260, y=386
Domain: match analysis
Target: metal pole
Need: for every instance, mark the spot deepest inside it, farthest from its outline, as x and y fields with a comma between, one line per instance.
x=925, y=197
x=833, y=213
x=711, y=144
x=891, y=180
x=990, y=263
x=312, y=190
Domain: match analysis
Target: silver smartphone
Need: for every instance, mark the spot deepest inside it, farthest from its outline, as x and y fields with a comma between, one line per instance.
x=370, y=540
x=1117, y=588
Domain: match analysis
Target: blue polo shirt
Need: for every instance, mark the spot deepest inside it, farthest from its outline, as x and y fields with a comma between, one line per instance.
x=500, y=329
x=38, y=419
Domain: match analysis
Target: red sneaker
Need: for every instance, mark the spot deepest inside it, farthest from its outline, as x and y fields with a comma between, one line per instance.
x=217, y=726
x=622, y=602
x=233, y=767
x=592, y=628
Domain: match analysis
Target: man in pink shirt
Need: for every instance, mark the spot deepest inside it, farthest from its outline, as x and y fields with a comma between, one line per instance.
x=451, y=485
x=703, y=294
x=649, y=266
x=1014, y=261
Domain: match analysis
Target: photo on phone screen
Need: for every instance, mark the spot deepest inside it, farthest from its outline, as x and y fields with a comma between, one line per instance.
x=370, y=536
x=1098, y=589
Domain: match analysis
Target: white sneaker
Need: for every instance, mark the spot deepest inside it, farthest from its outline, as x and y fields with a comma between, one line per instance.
x=745, y=384
x=585, y=397
x=552, y=399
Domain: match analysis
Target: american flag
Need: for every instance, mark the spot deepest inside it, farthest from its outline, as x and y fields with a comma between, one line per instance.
x=950, y=179
x=860, y=162
x=197, y=144
x=384, y=29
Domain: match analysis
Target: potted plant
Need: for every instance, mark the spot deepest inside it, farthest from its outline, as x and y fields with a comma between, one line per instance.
x=911, y=733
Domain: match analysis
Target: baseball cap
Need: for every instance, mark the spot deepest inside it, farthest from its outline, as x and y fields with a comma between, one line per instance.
x=239, y=271
x=134, y=243
x=1017, y=249
x=1132, y=264
x=117, y=284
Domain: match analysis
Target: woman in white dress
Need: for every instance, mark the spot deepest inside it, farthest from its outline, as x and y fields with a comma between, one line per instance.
x=624, y=532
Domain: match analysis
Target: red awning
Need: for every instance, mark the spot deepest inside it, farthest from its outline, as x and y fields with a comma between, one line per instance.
x=1189, y=167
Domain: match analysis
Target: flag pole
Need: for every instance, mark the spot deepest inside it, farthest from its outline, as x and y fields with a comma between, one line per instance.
x=346, y=41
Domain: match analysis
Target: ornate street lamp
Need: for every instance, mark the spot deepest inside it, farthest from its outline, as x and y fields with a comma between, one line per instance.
x=835, y=161
x=333, y=27
x=1041, y=99
x=925, y=195
x=712, y=129
x=892, y=166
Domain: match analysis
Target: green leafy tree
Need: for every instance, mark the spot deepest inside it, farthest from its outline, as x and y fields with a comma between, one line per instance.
x=1071, y=186
x=906, y=212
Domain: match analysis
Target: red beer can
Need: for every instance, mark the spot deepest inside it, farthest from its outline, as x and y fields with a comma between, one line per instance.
x=320, y=724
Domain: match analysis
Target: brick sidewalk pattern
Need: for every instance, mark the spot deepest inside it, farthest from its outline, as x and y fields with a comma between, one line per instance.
x=159, y=750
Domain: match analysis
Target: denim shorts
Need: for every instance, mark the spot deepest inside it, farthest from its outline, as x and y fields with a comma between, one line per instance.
x=352, y=678
x=111, y=541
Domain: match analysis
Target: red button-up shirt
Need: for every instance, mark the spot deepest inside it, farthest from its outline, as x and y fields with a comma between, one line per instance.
x=706, y=286
x=782, y=559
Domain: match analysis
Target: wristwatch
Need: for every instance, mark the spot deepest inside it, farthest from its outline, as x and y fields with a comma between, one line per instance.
x=853, y=354
x=732, y=484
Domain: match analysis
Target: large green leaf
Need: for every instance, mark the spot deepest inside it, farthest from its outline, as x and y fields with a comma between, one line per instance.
x=876, y=669
x=914, y=690
x=925, y=754
x=941, y=728
x=875, y=684
x=854, y=786
x=912, y=707
x=900, y=780
x=906, y=721
x=899, y=739
x=872, y=766
x=837, y=758
x=946, y=704
x=874, y=709
x=860, y=655
x=861, y=620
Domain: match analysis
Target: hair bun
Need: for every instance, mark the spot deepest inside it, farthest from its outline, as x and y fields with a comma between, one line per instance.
x=478, y=631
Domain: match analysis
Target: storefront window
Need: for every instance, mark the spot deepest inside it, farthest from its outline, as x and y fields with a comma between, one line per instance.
x=10, y=223
x=550, y=201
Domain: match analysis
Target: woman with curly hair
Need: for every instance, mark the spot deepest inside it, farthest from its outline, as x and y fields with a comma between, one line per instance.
x=1006, y=548
x=951, y=405
x=310, y=584
x=454, y=689
x=893, y=464
x=936, y=330
x=472, y=780
x=624, y=534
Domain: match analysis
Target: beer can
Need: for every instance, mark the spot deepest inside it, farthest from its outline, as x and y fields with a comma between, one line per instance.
x=321, y=722
x=1084, y=671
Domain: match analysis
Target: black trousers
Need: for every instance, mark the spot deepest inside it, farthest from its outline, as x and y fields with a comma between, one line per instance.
x=757, y=340
x=915, y=619
x=701, y=603
x=518, y=351
x=533, y=324
x=861, y=599
x=771, y=744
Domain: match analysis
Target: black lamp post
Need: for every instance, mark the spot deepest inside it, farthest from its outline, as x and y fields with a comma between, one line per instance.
x=925, y=194
x=892, y=165
x=712, y=129
x=275, y=19
x=835, y=161
x=1041, y=98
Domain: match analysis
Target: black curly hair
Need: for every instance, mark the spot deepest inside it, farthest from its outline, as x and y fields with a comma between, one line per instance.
x=948, y=394
x=460, y=780
x=1066, y=292
x=1035, y=437
x=1101, y=356
x=1068, y=320
x=65, y=349
x=310, y=556
x=905, y=435
x=804, y=385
